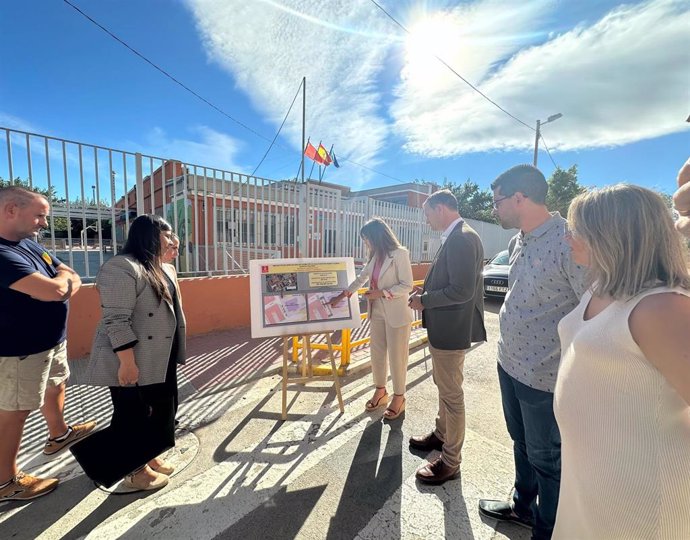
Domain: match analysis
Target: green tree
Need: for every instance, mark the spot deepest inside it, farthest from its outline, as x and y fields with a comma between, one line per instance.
x=563, y=188
x=59, y=223
x=473, y=202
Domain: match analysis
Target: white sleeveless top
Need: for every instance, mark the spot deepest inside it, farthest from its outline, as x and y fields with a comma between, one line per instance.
x=625, y=433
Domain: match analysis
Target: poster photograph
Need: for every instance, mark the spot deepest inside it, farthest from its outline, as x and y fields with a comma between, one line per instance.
x=293, y=296
x=284, y=309
x=281, y=282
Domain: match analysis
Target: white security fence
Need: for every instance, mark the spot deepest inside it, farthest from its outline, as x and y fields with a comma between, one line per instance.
x=223, y=218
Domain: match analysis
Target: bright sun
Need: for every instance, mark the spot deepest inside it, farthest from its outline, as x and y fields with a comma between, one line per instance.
x=432, y=35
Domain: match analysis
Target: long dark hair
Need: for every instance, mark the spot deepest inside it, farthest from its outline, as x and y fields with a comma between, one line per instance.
x=144, y=244
x=380, y=237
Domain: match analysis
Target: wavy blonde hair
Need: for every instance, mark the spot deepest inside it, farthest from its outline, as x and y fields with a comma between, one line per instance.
x=632, y=241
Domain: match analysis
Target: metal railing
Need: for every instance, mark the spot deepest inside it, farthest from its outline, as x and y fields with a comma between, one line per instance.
x=223, y=218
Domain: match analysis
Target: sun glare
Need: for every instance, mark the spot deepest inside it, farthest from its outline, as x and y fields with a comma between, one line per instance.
x=432, y=35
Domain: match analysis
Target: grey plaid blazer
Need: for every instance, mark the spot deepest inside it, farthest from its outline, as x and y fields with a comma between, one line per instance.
x=131, y=311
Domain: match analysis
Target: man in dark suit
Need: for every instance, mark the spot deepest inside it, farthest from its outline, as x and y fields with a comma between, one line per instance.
x=452, y=305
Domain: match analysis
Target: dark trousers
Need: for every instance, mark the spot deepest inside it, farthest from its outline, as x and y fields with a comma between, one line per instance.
x=142, y=411
x=537, y=451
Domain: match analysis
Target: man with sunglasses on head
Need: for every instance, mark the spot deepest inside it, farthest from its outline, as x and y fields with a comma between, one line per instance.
x=543, y=286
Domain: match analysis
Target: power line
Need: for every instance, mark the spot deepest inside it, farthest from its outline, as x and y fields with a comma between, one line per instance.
x=468, y=83
x=547, y=149
x=164, y=72
x=279, y=129
x=203, y=99
x=375, y=171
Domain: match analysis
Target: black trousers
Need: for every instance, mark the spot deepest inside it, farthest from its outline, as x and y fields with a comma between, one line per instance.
x=143, y=411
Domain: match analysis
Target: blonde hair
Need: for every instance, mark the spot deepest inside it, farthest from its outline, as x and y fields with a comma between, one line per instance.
x=632, y=241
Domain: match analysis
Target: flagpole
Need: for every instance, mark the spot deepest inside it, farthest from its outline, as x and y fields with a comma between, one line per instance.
x=301, y=167
x=325, y=167
x=304, y=120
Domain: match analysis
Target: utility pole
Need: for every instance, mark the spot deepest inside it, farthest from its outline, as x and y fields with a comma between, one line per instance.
x=551, y=118
x=304, y=120
x=536, y=143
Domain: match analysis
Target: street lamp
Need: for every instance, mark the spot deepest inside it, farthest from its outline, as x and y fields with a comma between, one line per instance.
x=551, y=118
x=93, y=191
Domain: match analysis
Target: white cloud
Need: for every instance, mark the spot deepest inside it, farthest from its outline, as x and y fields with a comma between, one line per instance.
x=14, y=122
x=268, y=47
x=618, y=80
x=623, y=79
x=207, y=147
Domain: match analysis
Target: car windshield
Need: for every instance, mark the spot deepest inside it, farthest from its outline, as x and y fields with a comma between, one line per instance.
x=501, y=258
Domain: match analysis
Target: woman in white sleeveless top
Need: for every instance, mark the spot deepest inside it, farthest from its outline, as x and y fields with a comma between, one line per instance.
x=623, y=391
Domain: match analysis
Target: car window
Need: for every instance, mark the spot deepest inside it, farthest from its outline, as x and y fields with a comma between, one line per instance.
x=501, y=258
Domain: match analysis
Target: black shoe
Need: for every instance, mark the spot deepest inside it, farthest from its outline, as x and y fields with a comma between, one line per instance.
x=426, y=442
x=503, y=511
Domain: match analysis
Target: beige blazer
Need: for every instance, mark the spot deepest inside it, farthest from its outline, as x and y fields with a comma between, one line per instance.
x=395, y=280
x=133, y=312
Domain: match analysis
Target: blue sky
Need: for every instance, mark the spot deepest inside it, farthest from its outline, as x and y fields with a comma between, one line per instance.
x=619, y=74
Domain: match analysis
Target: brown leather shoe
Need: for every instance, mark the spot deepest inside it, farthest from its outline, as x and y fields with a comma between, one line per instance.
x=437, y=472
x=426, y=442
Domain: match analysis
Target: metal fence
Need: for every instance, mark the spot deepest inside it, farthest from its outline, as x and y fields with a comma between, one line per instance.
x=223, y=218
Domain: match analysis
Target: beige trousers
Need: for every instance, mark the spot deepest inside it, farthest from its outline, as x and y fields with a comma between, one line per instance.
x=390, y=342
x=450, y=422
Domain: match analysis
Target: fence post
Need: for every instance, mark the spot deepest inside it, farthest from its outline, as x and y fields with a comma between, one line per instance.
x=420, y=235
x=339, y=227
x=139, y=192
x=303, y=216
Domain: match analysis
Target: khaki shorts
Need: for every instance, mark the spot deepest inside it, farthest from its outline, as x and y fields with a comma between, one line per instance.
x=23, y=382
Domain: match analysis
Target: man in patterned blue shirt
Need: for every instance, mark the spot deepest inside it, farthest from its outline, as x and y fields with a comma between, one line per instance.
x=543, y=286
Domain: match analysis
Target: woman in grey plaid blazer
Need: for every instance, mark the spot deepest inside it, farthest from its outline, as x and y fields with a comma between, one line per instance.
x=140, y=340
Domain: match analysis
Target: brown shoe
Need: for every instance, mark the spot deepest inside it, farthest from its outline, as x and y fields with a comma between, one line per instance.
x=75, y=433
x=25, y=487
x=391, y=414
x=145, y=480
x=426, y=442
x=163, y=467
x=372, y=405
x=437, y=472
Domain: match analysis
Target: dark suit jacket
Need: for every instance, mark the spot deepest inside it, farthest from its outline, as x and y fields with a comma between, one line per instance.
x=453, y=295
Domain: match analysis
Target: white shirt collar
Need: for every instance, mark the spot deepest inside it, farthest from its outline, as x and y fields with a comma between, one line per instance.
x=449, y=230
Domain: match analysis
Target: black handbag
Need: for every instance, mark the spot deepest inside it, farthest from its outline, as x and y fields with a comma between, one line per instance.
x=112, y=453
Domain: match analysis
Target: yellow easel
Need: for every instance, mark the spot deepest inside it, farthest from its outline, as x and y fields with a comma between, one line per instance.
x=307, y=369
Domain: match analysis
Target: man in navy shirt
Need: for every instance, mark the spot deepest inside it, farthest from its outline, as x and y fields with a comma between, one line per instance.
x=34, y=290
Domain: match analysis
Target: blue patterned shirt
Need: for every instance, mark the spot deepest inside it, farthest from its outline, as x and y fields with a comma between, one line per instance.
x=543, y=286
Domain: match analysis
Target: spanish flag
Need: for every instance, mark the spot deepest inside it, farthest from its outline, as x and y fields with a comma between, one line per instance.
x=312, y=153
x=324, y=155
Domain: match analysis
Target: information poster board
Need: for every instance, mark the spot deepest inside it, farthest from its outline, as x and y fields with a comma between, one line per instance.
x=292, y=296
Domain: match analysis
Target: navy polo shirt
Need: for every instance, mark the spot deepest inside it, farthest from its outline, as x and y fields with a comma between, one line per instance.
x=28, y=326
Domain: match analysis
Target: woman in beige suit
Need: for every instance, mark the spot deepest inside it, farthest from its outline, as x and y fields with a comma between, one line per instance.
x=140, y=340
x=389, y=274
